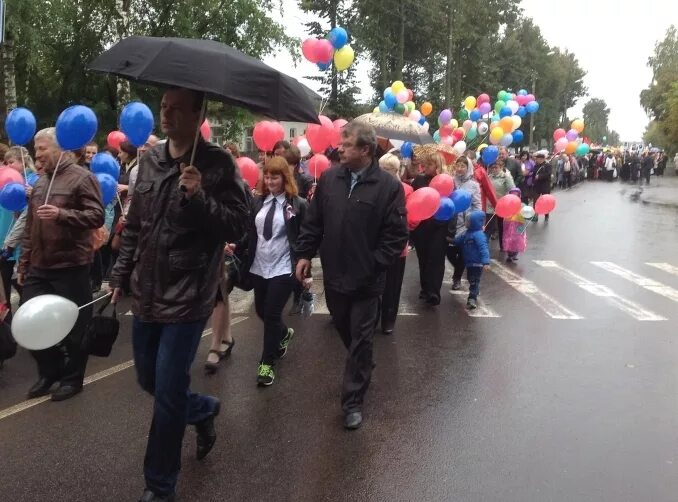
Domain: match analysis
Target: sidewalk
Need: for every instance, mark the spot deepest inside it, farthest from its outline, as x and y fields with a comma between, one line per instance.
x=663, y=191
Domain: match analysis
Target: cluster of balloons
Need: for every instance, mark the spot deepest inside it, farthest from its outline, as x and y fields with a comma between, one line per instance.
x=439, y=200
x=20, y=126
x=569, y=141
x=323, y=52
x=510, y=206
x=399, y=99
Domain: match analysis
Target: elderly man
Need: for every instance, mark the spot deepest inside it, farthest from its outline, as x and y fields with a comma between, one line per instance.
x=56, y=257
x=172, y=246
x=357, y=220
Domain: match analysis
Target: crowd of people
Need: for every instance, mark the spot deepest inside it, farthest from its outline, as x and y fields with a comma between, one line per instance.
x=186, y=230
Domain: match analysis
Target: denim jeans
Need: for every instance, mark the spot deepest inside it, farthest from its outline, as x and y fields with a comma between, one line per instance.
x=163, y=354
x=473, y=274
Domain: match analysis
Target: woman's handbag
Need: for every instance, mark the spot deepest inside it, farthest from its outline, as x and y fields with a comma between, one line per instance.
x=102, y=331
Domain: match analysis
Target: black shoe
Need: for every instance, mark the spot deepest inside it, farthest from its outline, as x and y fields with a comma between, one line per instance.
x=353, y=420
x=423, y=295
x=41, y=388
x=471, y=304
x=387, y=329
x=149, y=496
x=433, y=300
x=66, y=392
x=207, y=436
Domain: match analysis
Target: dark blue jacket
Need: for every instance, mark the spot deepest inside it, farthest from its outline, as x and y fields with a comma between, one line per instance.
x=474, y=242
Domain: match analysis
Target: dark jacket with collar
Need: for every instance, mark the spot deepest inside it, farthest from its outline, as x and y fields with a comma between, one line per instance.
x=294, y=213
x=172, y=247
x=359, y=233
x=542, y=178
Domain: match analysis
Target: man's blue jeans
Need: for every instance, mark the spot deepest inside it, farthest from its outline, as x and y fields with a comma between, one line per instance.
x=163, y=354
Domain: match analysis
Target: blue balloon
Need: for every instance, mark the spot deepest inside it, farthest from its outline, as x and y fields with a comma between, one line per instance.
x=75, y=127
x=407, y=150
x=390, y=99
x=109, y=187
x=490, y=155
x=522, y=92
x=446, y=210
x=505, y=112
x=382, y=107
x=475, y=115
x=32, y=179
x=136, y=121
x=20, y=125
x=324, y=66
x=13, y=197
x=518, y=136
x=521, y=112
x=532, y=107
x=104, y=163
x=422, y=120
x=338, y=36
x=461, y=199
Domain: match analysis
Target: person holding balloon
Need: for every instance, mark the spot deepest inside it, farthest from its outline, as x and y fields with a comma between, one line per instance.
x=515, y=229
x=476, y=253
x=502, y=181
x=542, y=177
x=64, y=210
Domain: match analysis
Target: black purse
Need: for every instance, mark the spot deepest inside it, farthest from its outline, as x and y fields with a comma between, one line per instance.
x=102, y=331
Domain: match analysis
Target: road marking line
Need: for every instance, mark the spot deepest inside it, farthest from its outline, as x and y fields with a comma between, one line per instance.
x=18, y=408
x=639, y=280
x=665, y=267
x=548, y=304
x=633, y=309
x=482, y=311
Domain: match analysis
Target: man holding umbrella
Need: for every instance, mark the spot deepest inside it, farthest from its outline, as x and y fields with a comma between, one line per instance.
x=172, y=245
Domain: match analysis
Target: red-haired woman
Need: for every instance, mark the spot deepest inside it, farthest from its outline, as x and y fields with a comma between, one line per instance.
x=279, y=213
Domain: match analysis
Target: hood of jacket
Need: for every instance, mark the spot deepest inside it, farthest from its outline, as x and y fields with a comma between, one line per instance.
x=460, y=180
x=476, y=220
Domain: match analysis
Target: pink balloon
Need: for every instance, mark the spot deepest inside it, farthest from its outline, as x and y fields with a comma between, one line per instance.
x=296, y=140
x=443, y=184
x=339, y=123
x=522, y=100
x=448, y=140
x=408, y=189
x=114, y=139
x=266, y=134
x=558, y=133
x=320, y=136
x=545, y=204
x=308, y=49
x=508, y=206
x=323, y=51
x=423, y=204
x=249, y=171
x=467, y=125
x=318, y=164
x=206, y=131
x=530, y=98
x=9, y=175
x=483, y=98
x=561, y=144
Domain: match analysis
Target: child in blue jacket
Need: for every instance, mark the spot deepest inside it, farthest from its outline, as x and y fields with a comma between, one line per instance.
x=476, y=254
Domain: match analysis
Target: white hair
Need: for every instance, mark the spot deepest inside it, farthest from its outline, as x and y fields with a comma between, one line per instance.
x=48, y=133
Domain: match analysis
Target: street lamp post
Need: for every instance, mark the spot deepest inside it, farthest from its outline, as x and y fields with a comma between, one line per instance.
x=534, y=85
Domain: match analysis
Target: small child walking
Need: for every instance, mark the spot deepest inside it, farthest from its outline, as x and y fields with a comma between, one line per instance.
x=476, y=253
x=515, y=236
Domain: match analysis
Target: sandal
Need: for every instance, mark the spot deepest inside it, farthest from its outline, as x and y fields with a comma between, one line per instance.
x=210, y=367
x=225, y=353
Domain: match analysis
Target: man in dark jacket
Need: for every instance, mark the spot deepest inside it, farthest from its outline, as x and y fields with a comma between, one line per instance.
x=512, y=166
x=647, y=165
x=56, y=257
x=542, y=176
x=172, y=245
x=357, y=220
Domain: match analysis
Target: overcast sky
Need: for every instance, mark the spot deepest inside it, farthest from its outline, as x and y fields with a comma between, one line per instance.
x=612, y=40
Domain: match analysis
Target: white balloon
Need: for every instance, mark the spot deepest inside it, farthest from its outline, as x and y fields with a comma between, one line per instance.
x=44, y=321
x=506, y=140
x=415, y=115
x=482, y=128
x=396, y=143
x=517, y=122
x=460, y=147
x=513, y=105
x=426, y=126
x=527, y=212
x=304, y=147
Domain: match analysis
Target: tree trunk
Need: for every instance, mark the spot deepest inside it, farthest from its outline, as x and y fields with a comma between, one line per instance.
x=456, y=98
x=334, y=92
x=401, y=44
x=122, y=23
x=9, y=75
x=450, y=54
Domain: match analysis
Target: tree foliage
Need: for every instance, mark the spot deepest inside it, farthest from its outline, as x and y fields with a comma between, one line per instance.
x=596, y=115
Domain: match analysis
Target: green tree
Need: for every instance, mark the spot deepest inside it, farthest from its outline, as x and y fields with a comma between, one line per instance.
x=596, y=114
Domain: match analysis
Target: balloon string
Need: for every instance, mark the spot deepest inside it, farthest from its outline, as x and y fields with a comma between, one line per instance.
x=49, y=189
x=94, y=301
x=488, y=221
x=23, y=163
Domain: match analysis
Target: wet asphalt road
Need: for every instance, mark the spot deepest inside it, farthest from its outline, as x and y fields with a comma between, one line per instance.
x=555, y=392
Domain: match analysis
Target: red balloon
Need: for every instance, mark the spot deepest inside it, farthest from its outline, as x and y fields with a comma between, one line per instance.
x=206, y=131
x=446, y=130
x=412, y=224
x=308, y=49
x=508, y=206
x=336, y=134
x=339, y=123
x=423, y=204
x=443, y=184
x=408, y=189
x=483, y=98
x=248, y=170
x=9, y=175
x=323, y=51
x=318, y=164
x=115, y=138
x=458, y=134
x=558, y=133
x=545, y=204
x=266, y=134
x=319, y=136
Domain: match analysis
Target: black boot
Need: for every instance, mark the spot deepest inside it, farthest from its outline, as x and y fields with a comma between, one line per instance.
x=40, y=388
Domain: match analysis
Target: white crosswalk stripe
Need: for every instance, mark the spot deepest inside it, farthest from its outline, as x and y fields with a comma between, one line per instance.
x=483, y=309
x=548, y=304
x=665, y=267
x=629, y=307
x=639, y=280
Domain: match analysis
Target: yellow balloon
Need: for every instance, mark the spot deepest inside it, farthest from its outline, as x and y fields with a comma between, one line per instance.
x=470, y=103
x=343, y=58
x=496, y=134
x=493, y=125
x=578, y=125
x=506, y=124
x=426, y=109
x=482, y=147
x=397, y=86
x=376, y=110
x=454, y=124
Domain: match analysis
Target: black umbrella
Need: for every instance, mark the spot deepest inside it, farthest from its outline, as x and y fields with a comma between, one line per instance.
x=221, y=72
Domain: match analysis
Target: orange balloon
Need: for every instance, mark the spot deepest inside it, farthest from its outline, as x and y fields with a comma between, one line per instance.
x=426, y=109
x=571, y=147
x=506, y=124
x=578, y=125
